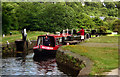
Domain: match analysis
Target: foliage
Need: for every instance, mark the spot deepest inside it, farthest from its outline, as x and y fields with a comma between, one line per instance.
x=52, y=17
x=98, y=21
x=116, y=25
x=109, y=21
x=102, y=29
x=94, y=4
x=109, y=4
x=84, y=21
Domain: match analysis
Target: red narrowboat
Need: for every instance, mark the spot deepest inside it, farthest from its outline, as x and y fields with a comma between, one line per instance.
x=49, y=43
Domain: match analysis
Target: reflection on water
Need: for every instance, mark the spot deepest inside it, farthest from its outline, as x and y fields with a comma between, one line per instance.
x=19, y=66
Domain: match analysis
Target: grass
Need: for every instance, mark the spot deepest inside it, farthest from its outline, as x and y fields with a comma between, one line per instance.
x=104, y=39
x=109, y=31
x=104, y=58
x=17, y=35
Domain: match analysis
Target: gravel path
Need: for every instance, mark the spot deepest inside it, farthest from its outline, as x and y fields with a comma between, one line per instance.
x=113, y=72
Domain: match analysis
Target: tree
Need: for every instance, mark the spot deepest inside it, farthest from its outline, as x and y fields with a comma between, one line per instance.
x=116, y=25
x=6, y=17
x=117, y=4
x=51, y=17
x=58, y=17
x=109, y=21
x=98, y=21
x=110, y=5
x=94, y=4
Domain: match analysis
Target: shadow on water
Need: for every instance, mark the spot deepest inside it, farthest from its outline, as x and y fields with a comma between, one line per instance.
x=44, y=56
x=47, y=58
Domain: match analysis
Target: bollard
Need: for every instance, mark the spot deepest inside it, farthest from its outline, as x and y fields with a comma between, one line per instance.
x=87, y=36
x=24, y=35
x=3, y=35
x=10, y=33
x=7, y=44
x=68, y=43
x=29, y=41
x=90, y=35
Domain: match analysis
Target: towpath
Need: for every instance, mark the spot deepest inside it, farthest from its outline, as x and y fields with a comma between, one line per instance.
x=113, y=72
x=114, y=45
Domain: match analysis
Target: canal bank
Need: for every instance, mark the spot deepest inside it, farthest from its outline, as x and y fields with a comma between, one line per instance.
x=9, y=50
x=64, y=62
x=107, y=57
x=73, y=63
x=102, y=51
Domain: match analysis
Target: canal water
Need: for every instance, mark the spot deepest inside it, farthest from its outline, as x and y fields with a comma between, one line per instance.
x=28, y=66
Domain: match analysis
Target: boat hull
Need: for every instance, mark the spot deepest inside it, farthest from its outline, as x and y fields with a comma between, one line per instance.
x=40, y=55
x=44, y=52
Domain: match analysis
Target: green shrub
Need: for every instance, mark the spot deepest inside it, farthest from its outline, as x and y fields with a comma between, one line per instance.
x=102, y=29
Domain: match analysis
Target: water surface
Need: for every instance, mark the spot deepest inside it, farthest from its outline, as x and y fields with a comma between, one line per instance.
x=27, y=66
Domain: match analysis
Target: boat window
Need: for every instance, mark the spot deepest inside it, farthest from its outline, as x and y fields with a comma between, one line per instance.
x=40, y=41
x=69, y=31
x=65, y=38
x=59, y=41
x=48, y=41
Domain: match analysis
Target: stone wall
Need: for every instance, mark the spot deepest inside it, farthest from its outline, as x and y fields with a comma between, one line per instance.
x=10, y=50
x=80, y=65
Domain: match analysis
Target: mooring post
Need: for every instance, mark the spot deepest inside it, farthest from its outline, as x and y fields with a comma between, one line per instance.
x=24, y=36
x=21, y=47
x=7, y=44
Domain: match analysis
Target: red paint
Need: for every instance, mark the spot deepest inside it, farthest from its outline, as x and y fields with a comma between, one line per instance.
x=48, y=48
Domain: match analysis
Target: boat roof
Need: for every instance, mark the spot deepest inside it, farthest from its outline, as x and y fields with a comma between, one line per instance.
x=52, y=35
x=55, y=35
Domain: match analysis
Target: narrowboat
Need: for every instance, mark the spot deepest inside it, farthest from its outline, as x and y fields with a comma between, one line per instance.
x=48, y=43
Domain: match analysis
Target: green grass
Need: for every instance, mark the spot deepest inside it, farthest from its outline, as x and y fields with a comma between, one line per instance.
x=104, y=58
x=104, y=39
x=17, y=35
x=15, y=32
x=109, y=31
x=117, y=35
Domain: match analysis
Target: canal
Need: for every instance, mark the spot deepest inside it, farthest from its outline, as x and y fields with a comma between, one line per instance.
x=29, y=66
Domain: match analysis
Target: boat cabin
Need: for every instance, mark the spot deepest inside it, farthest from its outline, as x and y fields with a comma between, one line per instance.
x=51, y=41
x=48, y=43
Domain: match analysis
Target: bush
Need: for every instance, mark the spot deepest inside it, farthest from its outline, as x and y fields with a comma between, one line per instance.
x=116, y=26
x=102, y=29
